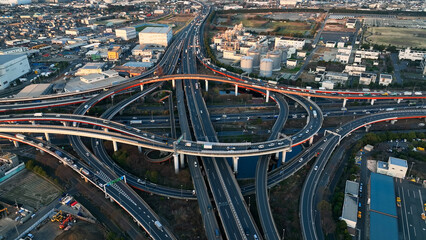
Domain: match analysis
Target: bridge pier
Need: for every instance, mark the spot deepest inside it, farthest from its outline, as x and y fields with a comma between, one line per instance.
x=182, y=160
x=344, y=102
x=399, y=100
x=176, y=162
x=115, y=146
x=139, y=149
x=393, y=121
x=33, y=122
x=207, y=86
x=367, y=128
x=16, y=144
x=311, y=140
x=372, y=101
x=173, y=83
x=236, y=90
x=235, y=163
x=46, y=135
x=64, y=123
x=284, y=153
x=267, y=95
x=141, y=87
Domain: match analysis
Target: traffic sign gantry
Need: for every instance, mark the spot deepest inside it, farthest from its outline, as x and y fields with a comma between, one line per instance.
x=117, y=180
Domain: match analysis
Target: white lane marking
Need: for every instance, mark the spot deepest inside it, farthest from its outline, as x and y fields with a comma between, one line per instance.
x=405, y=210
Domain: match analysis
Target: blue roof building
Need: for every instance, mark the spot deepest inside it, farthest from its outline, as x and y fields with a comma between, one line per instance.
x=383, y=215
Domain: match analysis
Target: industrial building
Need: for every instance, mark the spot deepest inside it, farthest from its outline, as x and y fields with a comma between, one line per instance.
x=7, y=162
x=35, y=90
x=383, y=215
x=156, y=35
x=12, y=67
x=115, y=53
x=297, y=43
x=350, y=204
x=395, y=167
x=90, y=68
x=126, y=33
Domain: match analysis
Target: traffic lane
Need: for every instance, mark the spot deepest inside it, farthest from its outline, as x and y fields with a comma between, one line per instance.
x=413, y=197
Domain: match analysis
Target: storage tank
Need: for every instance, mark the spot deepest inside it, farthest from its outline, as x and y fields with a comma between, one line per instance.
x=255, y=54
x=275, y=56
x=284, y=51
x=266, y=67
x=247, y=64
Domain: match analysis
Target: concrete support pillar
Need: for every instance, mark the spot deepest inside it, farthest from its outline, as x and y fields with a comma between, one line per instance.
x=344, y=102
x=182, y=160
x=16, y=143
x=106, y=129
x=207, y=86
x=173, y=83
x=309, y=97
x=277, y=155
x=284, y=153
x=114, y=144
x=236, y=90
x=33, y=122
x=267, y=95
x=393, y=121
x=176, y=162
x=46, y=135
x=235, y=164
x=399, y=100
x=372, y=101
x=141, y=87
x=311, y=140
x=64, y=123
x=139, y=149
x=367, y=127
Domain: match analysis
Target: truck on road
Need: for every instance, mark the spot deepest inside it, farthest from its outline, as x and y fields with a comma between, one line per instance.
x=314, y=112
x=208, y=146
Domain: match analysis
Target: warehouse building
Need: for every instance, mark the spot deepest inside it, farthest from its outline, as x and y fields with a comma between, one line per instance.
x=90, y=68
x=383, y=216
x=126, y=33
x=156, y=35
x=297, y=43
x=12, y=67
x=350, y=204
x=35, y=90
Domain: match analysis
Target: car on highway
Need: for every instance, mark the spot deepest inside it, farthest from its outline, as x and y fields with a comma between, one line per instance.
x=261, y=146
x=195, y=164
x=301, y=159
x=316, y=168
x=398, y=201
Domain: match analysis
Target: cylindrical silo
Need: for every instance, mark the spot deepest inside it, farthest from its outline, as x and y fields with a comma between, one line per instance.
x=284, y=51
x=255, y=54
x=275, y=56
x=247, y=64
x=266, y=67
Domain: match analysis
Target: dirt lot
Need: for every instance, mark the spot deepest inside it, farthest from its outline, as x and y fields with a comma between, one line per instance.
x=29, y=189
x=399, y=37
x=259, y=23
x=178, y=20
x=83, y=230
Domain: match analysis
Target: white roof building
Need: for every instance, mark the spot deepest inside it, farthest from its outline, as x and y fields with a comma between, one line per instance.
x=156, y=35
x=385, y=79
x=395, y=167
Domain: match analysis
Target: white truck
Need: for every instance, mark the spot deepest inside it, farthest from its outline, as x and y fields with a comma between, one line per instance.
x=38, y=114
x=408, y=93
x=314, y=112
x=208, y=146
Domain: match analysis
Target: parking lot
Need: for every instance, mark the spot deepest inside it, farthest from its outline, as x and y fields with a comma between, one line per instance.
x=413, y=196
